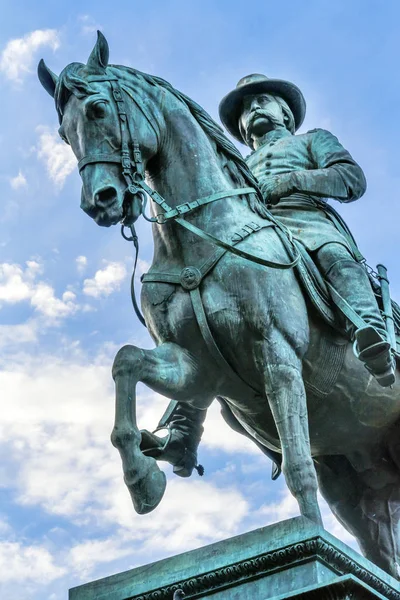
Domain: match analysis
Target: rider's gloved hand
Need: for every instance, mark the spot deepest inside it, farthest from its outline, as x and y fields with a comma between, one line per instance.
x=275, y=187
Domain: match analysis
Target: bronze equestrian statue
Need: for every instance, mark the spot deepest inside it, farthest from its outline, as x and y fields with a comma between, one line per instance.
x=235, y=307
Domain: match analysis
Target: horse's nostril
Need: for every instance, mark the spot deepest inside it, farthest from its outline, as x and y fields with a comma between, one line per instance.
x=105, y=196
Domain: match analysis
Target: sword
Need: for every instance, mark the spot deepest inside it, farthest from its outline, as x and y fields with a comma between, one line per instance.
x=387, y=305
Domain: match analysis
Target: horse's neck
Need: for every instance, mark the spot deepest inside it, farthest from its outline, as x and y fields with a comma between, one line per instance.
x=186, y=168
x=190, y=166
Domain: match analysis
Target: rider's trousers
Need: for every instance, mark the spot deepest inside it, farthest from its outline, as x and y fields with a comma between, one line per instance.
x=351, y=281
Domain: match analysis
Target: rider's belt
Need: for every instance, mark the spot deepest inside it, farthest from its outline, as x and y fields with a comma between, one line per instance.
x=298, y=200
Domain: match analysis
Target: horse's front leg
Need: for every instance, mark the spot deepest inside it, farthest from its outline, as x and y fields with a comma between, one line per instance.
x=287, y=400
x=169, y=370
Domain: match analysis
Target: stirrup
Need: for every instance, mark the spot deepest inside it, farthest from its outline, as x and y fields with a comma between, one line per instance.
x=384, y=378
x=152, y=445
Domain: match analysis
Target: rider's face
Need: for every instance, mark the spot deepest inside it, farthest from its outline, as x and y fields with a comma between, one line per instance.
x=261, y=113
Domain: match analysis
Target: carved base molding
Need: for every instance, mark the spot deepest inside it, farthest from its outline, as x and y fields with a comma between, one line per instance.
x=294, y=559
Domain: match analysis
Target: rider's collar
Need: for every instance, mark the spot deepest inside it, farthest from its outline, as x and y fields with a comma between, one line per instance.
x=274, y=135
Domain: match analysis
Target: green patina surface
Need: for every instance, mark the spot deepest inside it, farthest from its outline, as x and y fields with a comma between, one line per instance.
x=291, y=559
x=226, y=299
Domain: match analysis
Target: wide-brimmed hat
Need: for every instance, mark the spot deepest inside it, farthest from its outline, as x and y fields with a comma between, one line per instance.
x=231, y=106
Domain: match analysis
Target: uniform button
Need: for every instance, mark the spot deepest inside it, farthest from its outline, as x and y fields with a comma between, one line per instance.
x=269, y=155
x=272, y=143
x=267, y=172
x=268, y=163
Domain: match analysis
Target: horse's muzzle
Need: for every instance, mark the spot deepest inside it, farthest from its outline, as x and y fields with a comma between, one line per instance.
x=105, y=208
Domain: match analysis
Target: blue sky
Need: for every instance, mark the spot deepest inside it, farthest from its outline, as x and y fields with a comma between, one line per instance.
x=65, y=516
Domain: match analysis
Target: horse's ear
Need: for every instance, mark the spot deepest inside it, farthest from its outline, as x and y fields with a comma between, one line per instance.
x=98, y=58
x=47, y=78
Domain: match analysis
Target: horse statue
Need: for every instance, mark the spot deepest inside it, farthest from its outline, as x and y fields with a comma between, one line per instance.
x=224, y=304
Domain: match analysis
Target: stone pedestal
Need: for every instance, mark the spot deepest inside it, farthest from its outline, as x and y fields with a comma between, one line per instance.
x=293, y=559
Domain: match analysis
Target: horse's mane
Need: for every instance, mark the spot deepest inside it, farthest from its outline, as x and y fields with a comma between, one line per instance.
x=70, y=81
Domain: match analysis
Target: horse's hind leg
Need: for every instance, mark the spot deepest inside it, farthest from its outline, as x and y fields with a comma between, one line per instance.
x=169, y=370
x=367, y=504
x=287, y=399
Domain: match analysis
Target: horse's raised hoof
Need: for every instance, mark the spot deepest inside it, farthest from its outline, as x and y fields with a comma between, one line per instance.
x=148, y=490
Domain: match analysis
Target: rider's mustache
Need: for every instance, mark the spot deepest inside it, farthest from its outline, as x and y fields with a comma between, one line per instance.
x=261, y=113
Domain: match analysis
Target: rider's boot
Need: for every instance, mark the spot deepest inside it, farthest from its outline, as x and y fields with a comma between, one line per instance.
x=351, y=281
x=179, y=446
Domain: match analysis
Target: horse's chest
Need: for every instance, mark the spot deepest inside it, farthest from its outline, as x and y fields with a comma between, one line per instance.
x=168, y=312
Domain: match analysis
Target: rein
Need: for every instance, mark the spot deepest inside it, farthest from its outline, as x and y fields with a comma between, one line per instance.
x=130, y=159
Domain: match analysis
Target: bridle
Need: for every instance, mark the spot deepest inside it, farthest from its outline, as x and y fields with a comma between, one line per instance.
x=130, y=160
x=130, y=157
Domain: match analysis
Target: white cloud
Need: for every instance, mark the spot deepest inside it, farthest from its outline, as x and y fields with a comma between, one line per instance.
x=16, y=335
x=56, y=155
x=27, y=563
x=19, y=181
x=16, y=60
x=219, y=436
x=61, y=413
x=18, y=284
x=192, y=513
x=69, y=296
x=286, y=508
x=81, y=263
x=105, y=281
x=87, y=555
x=45, y=302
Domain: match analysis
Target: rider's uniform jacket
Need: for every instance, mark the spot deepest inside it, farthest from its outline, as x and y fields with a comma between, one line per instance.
x=310, y=166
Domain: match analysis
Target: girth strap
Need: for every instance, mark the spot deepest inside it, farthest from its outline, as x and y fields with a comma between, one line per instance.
x=240, y=385
x=176, y=278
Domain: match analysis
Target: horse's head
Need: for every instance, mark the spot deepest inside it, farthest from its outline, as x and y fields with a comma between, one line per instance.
x=91, y=105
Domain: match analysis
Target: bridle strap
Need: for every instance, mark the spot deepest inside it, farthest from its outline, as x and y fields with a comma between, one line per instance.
x=171, y=213
x=130, y=159
x=95, y=158
x=127, y=138
x=186, y=207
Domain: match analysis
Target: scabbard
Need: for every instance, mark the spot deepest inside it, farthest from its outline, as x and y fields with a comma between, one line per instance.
x=387, y=305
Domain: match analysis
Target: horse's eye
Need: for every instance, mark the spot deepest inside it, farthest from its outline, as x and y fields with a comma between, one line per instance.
x=97, y=110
